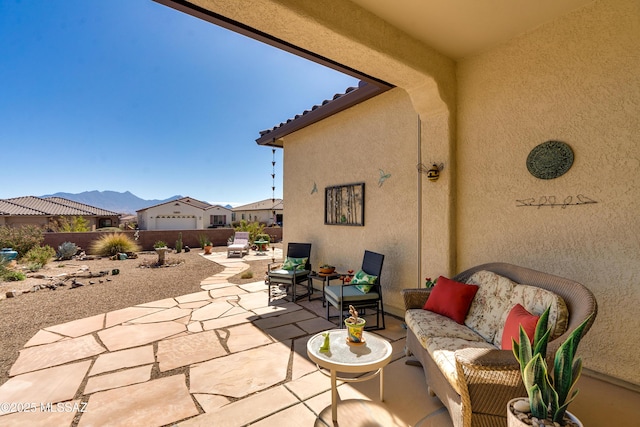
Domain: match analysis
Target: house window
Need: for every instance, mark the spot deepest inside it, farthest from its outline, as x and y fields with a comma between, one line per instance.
x=218, y=219
x=233, y=216
x=105, y=222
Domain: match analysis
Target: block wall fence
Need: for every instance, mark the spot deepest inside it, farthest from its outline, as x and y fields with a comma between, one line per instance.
x=146, y=238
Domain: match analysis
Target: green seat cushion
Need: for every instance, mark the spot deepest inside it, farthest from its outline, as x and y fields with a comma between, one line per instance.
x=350, y=293
x=287, y=275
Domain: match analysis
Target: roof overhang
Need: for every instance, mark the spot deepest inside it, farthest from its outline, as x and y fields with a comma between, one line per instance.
x=372, y=87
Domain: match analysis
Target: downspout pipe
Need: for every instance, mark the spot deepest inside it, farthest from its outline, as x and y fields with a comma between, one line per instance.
x=419, y=203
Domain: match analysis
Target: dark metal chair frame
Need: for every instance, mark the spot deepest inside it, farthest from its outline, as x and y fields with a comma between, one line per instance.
x=294, y=250
x=335, y=294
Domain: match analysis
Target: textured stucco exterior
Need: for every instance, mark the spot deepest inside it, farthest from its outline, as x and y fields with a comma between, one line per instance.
x=575, y=79
x=348, y=148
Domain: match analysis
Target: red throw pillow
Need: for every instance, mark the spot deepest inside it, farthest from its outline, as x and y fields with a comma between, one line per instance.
x=518, y=316
x=451, y=299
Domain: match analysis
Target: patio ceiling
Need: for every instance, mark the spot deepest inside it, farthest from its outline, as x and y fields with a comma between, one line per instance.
x=460, y=28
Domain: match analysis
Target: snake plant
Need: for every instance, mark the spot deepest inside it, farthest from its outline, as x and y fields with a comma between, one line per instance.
x=549, y=395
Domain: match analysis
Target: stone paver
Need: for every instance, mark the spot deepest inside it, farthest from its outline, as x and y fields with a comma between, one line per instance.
x=124, y=315
x=57, y=353
x=154, y=403
x=46, y=386
x=123, y=359
x=118, y=379
x=240, y=374
x=244, y=337
x=189, y=349
x=126, y=336
x=43, y=418
x=43, y=337
x=246, y=410
x=163, y=316
x=79, y=327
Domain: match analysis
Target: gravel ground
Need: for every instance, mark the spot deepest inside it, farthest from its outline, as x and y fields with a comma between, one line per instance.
x=23, y=316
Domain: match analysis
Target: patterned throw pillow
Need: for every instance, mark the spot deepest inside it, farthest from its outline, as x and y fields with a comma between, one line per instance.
x=363, y=281
x=294, y=263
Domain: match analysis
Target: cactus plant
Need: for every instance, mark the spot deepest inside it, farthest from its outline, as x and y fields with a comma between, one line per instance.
x=549, y=395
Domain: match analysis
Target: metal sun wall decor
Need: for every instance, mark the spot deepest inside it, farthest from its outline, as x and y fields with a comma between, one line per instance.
x=550, y=160
x=344, y=205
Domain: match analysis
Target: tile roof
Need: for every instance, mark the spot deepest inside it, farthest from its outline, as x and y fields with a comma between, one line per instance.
x=187, y=200
x=78, y=205
x=31, y=205
x=329, y=107
x=262, y=205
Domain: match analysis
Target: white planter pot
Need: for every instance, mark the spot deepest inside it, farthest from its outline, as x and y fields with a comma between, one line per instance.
x=514, y=421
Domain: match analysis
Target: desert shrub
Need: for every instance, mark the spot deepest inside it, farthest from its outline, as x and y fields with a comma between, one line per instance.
x=67, y=250
x=21, y=239
x=159, y=244
x=13, y=276
x=74, y=224
x=113, y=243
x=254, y=228
x=247, y=275
x=38, y=257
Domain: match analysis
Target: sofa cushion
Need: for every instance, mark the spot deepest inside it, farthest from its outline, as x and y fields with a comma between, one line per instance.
x=451, y=299
x=536, y=300
x=442, y=351
x=518, y=316
x=490, y=303
x=427, y=324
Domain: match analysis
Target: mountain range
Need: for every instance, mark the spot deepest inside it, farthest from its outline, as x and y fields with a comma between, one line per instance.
x=124, y=203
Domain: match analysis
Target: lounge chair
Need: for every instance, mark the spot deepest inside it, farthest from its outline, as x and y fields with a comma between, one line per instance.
x=240, y=244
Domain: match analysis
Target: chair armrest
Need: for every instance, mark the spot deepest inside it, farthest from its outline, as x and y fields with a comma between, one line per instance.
x=483, y=370
x=415, y=298
x=273, y=263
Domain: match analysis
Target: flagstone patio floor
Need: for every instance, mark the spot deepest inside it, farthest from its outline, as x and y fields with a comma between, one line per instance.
x=225, y=357
x=222, y=357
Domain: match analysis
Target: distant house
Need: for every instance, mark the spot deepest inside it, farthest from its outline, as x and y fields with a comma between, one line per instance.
x=268, y=211
x=45, y=212
x=186, y=213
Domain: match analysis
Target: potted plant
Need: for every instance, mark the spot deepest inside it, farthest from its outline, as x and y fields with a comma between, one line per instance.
x=207, y=246
x=549, y=394
x=327, y=269
x=355, y=326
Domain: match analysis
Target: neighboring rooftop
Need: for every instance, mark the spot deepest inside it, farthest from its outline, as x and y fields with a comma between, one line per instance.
x=262, y=205
x=31, y=205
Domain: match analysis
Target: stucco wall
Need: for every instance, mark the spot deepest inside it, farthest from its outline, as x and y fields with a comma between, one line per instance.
x=348, y=148
x=575, y=80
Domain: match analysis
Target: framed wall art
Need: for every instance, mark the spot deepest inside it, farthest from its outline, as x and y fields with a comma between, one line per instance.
x=344, y=205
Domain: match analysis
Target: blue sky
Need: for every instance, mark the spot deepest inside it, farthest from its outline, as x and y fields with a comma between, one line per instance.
x=130, y=95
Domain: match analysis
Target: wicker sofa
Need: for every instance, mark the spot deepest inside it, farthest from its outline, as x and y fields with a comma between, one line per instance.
x=464, y=365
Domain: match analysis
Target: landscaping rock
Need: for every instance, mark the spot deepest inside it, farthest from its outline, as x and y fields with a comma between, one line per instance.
x=14, y=293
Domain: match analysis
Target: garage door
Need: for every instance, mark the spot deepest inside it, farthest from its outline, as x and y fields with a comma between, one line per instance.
x=177, y=222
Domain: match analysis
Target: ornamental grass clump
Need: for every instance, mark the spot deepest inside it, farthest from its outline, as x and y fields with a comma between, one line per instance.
x=112, y=244
x=549, y=395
